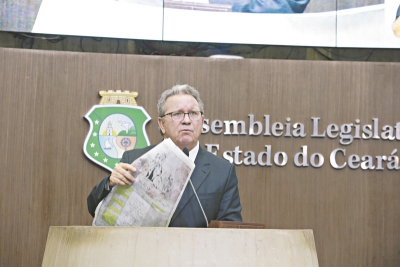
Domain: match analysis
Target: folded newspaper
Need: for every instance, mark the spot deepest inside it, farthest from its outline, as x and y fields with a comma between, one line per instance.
x=160, y=179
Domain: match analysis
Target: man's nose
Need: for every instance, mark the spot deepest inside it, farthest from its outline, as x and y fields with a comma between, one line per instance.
x=186, y=118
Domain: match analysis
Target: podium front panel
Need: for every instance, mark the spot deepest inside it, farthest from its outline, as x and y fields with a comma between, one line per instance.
x=159, y=246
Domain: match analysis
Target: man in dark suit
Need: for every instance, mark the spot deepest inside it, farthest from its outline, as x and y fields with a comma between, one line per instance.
x=180, y=118
x=265, y=6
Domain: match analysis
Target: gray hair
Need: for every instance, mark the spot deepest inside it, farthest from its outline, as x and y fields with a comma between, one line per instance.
x=179, y=89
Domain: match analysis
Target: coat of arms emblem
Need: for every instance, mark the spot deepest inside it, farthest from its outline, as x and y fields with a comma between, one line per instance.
x=117, y=124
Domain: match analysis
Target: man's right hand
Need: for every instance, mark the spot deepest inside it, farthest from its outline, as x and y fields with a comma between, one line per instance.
x=121, y=175
x=396, y=27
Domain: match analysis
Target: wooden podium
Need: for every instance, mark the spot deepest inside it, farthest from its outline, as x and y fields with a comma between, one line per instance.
x=160, y=246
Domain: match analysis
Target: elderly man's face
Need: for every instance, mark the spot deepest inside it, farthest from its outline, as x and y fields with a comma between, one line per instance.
x=184, y=132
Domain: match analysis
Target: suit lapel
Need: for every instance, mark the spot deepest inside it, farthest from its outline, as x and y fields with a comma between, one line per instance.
x=199, y=174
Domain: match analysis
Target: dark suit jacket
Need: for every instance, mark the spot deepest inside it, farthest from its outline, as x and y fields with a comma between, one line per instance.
x=216, y=185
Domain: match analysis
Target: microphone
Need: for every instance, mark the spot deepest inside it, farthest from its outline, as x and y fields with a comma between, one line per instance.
x=186, y=151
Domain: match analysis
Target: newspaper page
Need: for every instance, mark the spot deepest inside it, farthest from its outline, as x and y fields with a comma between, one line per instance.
x=160, y=179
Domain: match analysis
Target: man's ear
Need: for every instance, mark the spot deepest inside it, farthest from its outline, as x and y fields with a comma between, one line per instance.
x=161, y=125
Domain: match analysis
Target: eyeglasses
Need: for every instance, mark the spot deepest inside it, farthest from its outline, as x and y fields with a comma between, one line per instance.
x=178, y=115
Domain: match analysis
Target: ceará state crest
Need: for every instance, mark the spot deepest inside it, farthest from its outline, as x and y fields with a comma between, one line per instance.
x=117, y=124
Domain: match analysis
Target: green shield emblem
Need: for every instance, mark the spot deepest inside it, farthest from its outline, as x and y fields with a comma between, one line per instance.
x=113, y=130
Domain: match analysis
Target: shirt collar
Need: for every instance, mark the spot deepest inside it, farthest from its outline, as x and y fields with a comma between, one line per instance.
x=193, y=153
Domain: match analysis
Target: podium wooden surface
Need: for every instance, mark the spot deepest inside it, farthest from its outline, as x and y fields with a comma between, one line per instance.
x=159, y=246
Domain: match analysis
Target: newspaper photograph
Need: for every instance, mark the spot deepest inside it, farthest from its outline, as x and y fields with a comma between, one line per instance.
x=160, y=179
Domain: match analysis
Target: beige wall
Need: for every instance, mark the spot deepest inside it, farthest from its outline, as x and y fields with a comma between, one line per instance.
x=46, y=176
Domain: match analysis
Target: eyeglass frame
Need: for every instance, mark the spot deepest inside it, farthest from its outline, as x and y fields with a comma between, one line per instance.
x=184, y=113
